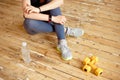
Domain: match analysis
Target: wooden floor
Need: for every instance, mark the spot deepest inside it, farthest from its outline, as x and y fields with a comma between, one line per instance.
x=99, y=18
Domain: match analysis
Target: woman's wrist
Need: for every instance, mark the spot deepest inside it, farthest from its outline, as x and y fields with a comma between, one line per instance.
x=39, y=9
x=53, y=19
x=50, y=18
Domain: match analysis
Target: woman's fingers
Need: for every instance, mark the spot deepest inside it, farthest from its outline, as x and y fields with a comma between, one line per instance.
x=30, y=9
x=63, y=20
x=27, y=9
x=59, y=19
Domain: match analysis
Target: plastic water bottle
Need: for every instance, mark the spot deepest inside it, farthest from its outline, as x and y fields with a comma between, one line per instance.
x=25, y=53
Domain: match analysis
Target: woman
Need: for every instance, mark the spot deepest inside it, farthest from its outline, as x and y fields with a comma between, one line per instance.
x=45, y=16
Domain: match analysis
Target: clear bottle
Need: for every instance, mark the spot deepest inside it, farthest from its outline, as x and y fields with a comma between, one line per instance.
x=25, y=53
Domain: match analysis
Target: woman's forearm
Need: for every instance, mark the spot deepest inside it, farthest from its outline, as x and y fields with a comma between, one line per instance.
x=56, y=19
x=25, y=3
x=51, y=5
x=36, y=16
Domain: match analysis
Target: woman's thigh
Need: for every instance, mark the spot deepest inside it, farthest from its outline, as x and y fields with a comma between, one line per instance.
x=37, y=26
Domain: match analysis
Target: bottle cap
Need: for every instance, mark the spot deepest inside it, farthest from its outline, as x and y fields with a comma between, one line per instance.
x=24, y=43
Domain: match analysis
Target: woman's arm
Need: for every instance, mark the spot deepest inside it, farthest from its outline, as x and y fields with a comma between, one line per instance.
x=25, y=3
x=26, y=8
x=51, y=5
x=57, y=19
x=39, y=16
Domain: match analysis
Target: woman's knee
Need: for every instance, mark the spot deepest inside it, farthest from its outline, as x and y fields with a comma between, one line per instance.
x=28, y=25
x=55, y=12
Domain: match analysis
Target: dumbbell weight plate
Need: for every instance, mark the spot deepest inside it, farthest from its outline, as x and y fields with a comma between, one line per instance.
x=86, y=68
x=98, y=71
x=86, y=60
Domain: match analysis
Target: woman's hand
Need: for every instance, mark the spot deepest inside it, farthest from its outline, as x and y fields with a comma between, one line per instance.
x=31, y=9
x=59, y=19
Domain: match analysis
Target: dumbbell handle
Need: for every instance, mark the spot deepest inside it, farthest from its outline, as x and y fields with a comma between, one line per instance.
x=92, y=66
x=92, y=62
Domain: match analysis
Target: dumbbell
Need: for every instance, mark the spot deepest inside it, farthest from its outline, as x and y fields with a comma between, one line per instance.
x=89, y=64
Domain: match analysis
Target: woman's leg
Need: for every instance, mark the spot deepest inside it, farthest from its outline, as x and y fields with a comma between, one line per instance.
x=37, y=26
x=59, y=29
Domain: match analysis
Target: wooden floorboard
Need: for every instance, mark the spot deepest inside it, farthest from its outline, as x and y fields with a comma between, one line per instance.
x=99, y=18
